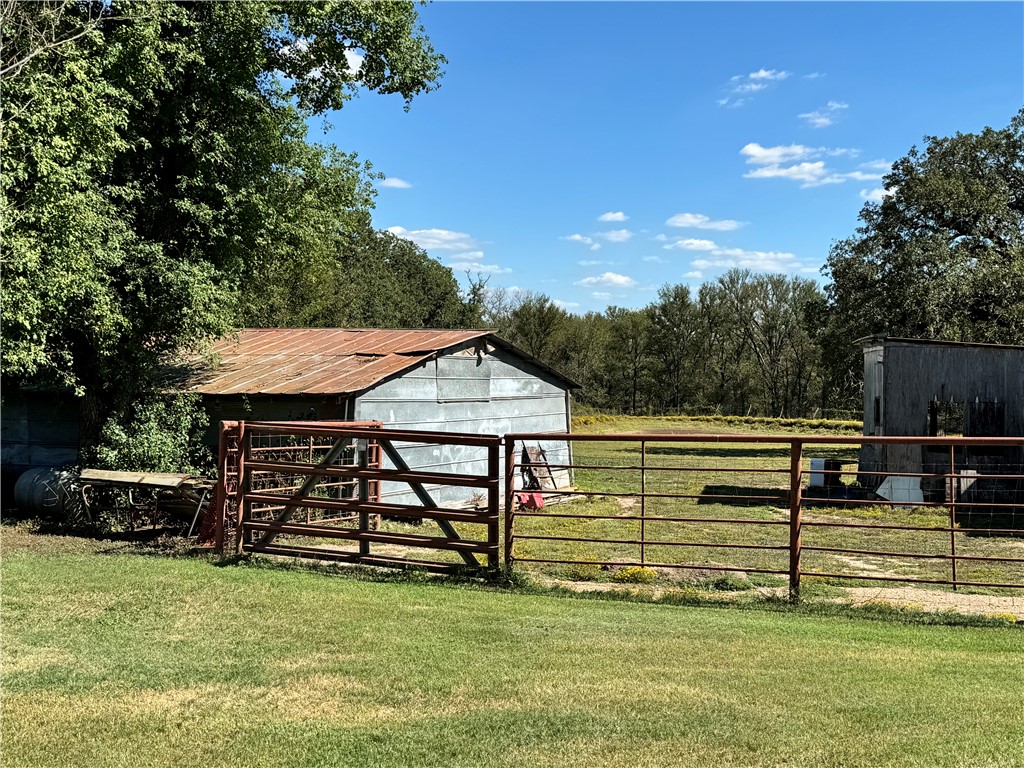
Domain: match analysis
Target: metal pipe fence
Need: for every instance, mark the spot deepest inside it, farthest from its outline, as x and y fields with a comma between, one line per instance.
x=944, y=512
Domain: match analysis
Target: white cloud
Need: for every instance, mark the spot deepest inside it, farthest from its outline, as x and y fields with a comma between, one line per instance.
x=862, y=176
x=354, y=61
x=565, y=304
x=810, y=174
x=750, y=87
x=758, y=155
x=814, y=76
x=655, y=260
x=694, y=275
x=396, y=183
x=601, y=295
x=578, y=238
x=470, y=261
x=742, y=86
x=758, y=261
x=436, y=239
x=690, y=244
x=769, y=74
x=700, y=221
x=609, y=279
x=661, y=237
x=613, y=216
x=774, y=164
x=822, y=117
x=590, y=262
x=877, y=165
x=875, y=195
x=616, y=235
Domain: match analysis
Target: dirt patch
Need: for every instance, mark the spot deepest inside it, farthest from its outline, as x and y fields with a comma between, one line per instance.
x=938, y=600
x=626, y=504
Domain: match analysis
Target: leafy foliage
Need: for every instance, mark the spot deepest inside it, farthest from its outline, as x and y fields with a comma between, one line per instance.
x=163, y=434
x=158, y=180
x=943, y=255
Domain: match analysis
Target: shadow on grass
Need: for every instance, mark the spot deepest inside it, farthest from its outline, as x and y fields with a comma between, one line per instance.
x=743, y=496
x=755, y=451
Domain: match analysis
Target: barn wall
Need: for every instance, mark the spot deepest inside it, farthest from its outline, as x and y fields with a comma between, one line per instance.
x=492, y=393
x=917, y=375
x=872, y=457
x=37, y=429
x=911, y=376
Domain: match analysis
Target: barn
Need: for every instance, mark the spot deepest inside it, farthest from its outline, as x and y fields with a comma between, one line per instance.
x=934, y=388
x=439, y=380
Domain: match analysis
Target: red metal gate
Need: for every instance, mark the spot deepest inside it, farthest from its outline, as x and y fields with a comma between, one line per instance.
x=329, y=474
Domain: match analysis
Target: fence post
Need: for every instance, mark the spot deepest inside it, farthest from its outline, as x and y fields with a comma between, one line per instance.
x=221, y=496
x=493, y=502
x=363, y=461
x=795, y=456
x=244, y=481
x=510, y=460
x=643, y=501
x=952, y=510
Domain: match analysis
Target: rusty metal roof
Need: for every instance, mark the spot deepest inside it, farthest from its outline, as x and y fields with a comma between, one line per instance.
x=324, y=361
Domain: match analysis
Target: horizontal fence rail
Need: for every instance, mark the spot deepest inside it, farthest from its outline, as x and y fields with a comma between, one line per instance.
x=954, y=502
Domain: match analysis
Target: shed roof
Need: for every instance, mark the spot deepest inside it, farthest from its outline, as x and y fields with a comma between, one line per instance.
x=881, y=339
x=327, y=361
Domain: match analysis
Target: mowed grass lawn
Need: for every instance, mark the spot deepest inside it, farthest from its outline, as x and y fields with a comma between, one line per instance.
x=133, y=660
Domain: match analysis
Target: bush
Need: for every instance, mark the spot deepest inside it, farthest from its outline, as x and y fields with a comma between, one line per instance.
x=162, y=434
x=636, y=574
x=583, y=572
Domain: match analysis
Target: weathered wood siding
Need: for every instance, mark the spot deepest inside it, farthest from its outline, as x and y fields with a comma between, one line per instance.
x=907, y=377
x=493, y=392
x=917, y=375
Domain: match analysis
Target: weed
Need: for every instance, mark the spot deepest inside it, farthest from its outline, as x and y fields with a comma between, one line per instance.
x=635, y=574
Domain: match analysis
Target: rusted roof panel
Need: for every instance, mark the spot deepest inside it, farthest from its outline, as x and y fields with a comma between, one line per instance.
x=318, y=361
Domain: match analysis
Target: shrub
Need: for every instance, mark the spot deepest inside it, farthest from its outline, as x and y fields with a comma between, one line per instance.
x=636, y=574
x=583, y=572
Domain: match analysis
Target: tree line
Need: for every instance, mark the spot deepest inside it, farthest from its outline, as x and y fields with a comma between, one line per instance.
x=743, y=344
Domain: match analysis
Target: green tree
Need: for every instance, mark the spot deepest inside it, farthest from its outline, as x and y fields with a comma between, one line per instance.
x=155, y=158
x=673, y=335
x=943, y=255
x=627, y=364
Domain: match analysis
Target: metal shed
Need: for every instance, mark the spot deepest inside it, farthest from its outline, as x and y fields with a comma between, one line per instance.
x=442, y=380
x=938, y=388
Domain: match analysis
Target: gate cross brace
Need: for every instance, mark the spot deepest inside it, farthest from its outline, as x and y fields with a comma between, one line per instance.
x=308, y=484
x=425, y=498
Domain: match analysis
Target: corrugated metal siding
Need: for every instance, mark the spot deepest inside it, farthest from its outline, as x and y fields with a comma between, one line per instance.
x=493, y=394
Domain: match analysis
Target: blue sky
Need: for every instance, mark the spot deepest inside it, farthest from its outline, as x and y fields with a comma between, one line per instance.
x=705, y=136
